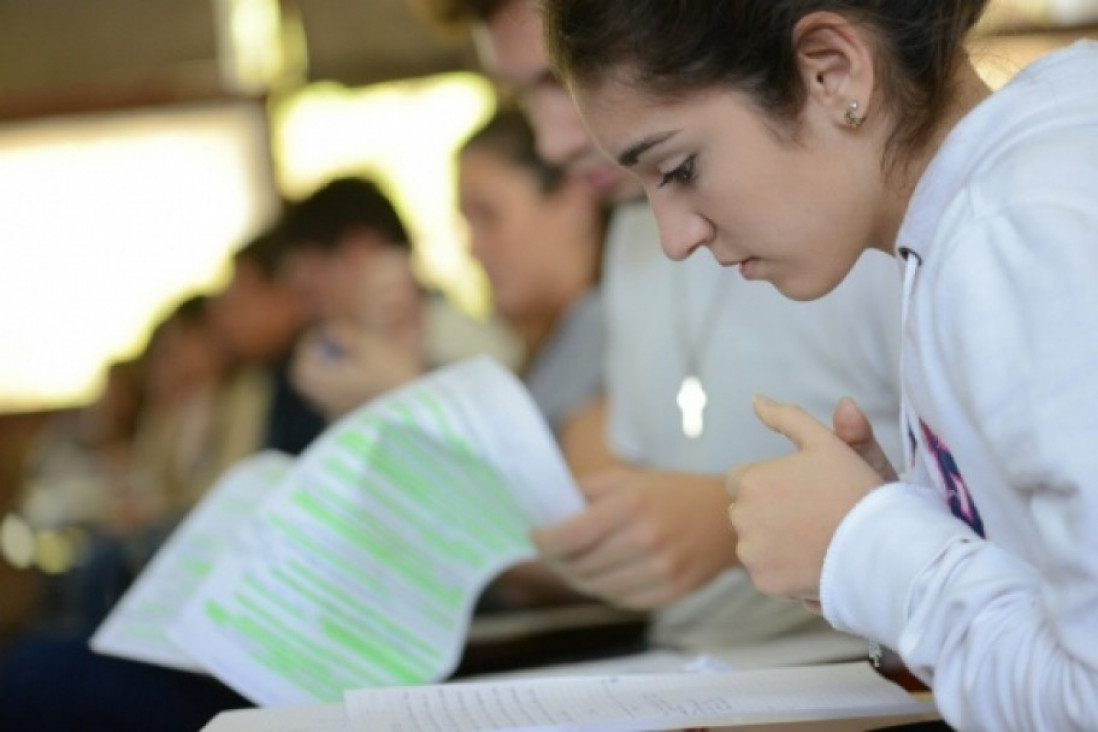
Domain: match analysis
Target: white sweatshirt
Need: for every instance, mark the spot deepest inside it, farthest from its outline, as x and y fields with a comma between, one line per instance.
x=981, y=569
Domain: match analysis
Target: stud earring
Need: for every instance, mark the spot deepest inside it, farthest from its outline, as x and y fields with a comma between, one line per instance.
x=852, y=118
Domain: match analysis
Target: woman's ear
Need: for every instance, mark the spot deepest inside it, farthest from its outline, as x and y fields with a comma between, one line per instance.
x=836, y=62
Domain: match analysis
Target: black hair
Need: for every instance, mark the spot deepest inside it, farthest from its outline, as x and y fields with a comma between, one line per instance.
x=343, y=205
x=190, y=311
x=669, y=48
x=508, y=134
x=265, y=252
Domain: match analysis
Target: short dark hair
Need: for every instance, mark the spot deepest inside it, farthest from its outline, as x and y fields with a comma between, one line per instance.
x=669, y=48
x=338, y=208
x=192, y=310
x=508, y=135
x=265, y=251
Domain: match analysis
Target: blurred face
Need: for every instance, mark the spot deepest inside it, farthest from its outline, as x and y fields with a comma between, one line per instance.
x=183, y=359
x=719, y=176
x=364, y=282
x=534, y=247
x=305, y=271
x=511, y=48
x=257, y=318
x=329, y=281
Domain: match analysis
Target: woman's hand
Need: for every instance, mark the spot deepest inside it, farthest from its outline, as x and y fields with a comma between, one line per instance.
x=786, y=510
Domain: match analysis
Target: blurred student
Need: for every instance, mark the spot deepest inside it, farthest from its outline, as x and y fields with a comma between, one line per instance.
x=688, y=346
x=803, y=134
x=537, y=233
x=191, y=435
x=259, y=319
x=373, y=325
x=177, y=448
x=77, y=462
x=54, y=681
x=80, y=455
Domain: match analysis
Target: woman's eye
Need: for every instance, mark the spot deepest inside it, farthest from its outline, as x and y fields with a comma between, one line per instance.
x=684, y=173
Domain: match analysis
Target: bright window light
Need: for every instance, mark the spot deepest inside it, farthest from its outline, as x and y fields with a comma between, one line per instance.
x=405, y=135
x=108, y=221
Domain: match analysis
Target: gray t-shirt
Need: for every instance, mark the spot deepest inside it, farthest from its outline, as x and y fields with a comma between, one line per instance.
x=744, y=338
x=567, y=373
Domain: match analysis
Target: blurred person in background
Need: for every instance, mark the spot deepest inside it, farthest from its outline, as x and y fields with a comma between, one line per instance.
x=259, y=319
x=52, y=680
x=537, y=233
x=178, y=445
x=147, y=443
x=79, y=458
x=81, y=453
x=192, y=435
x=374, y=326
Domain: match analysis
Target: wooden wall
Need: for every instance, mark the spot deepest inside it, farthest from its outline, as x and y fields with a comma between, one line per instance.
x=18, y=588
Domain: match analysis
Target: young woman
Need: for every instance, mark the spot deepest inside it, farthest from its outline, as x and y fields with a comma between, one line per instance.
x=789, y=137
x=537, y=234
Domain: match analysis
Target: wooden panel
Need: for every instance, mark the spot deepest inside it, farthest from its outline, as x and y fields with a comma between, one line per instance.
x=19, y=587
x=359, y=42
x=61, y=43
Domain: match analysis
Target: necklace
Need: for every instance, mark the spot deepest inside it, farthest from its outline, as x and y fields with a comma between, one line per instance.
x=691, y=397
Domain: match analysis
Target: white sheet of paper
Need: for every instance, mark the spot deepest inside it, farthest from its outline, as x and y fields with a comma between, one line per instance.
x=362, y=569
x=634, y=702
x=136, y=627
x=312, y=718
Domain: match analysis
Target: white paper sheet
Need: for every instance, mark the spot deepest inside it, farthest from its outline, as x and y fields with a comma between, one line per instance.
x=312, y=718
x=628, y=703
x=137, y=626
x=362, y=569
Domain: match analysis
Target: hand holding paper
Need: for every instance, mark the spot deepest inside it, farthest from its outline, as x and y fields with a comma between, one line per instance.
x=362, y=564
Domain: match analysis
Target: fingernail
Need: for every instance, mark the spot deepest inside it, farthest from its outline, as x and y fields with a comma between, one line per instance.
x=763, y=400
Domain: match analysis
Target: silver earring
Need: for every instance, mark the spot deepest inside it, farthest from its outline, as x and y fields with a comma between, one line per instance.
x=852, y=118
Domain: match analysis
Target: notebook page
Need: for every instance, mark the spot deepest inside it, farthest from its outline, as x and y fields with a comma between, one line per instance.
x=136, y=627
x=363, y=567
x=312, y=718
x=634, y=702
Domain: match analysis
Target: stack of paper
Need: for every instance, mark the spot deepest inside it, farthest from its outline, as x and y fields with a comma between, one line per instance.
x=616, y=703
x=358, y=563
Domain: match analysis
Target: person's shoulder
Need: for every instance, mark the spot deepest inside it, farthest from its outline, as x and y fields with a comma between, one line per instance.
x=452, y=334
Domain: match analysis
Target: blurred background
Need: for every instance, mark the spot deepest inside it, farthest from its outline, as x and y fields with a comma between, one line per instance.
x=142, y=142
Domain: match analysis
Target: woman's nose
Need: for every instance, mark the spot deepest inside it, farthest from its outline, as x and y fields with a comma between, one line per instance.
x=681, y=231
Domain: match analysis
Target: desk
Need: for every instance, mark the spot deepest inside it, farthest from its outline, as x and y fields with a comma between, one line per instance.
x=508, y=641
x=332, y=718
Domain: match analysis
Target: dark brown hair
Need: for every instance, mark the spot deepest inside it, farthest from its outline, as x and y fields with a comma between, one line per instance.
x=323, y=218
x=265, y=251
x=668, y=48
x=509, y=136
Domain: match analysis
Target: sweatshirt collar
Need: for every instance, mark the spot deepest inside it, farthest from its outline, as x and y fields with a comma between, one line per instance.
x=999, y=118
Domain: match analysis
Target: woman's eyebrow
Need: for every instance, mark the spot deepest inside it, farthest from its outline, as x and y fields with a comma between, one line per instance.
x=630, y=157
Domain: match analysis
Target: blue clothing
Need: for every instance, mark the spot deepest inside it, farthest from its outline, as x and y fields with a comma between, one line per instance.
x=53, y=681
x=58, y=684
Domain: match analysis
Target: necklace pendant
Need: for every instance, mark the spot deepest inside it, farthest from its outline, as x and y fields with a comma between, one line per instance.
x=691, y=400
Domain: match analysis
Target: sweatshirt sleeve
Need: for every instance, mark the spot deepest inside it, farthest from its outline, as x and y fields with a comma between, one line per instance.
x=1007, y=639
